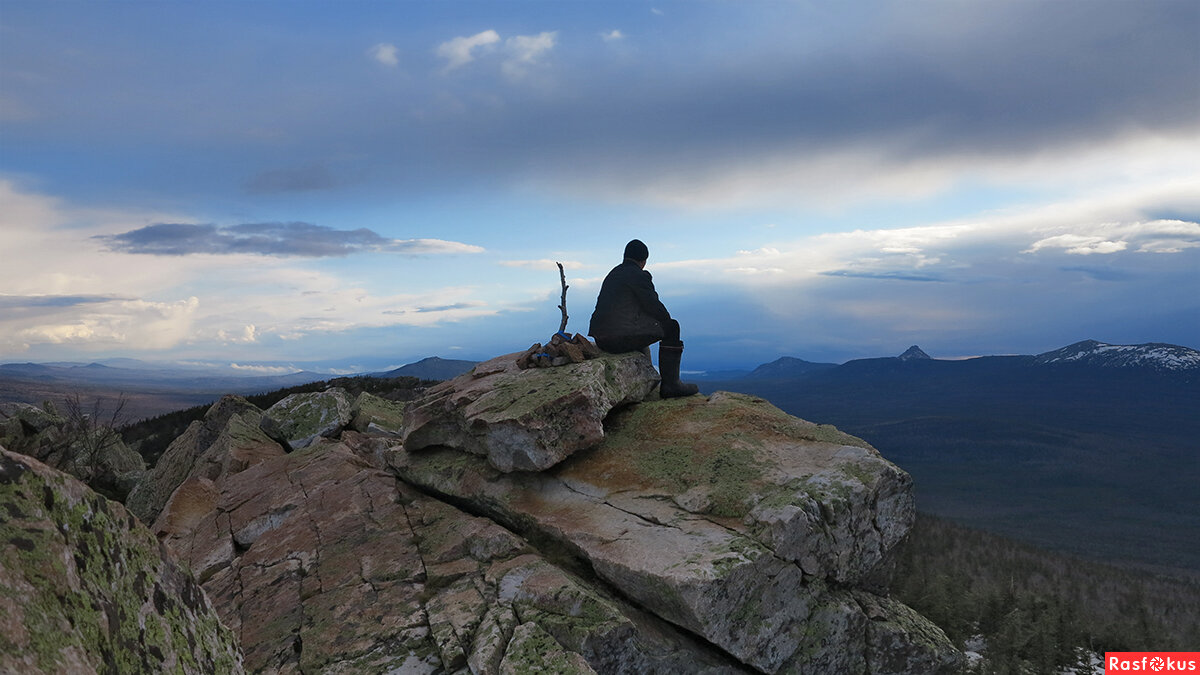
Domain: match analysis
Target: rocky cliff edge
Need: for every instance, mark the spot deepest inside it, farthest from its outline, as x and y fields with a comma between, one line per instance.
x=547, y=520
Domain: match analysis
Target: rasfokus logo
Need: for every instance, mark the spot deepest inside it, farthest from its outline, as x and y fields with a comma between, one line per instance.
x=1151, y=662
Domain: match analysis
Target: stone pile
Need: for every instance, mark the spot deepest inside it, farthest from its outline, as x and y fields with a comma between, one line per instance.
x=559, y=351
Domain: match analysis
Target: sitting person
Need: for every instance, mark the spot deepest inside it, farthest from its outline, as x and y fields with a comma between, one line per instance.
x=630, y=317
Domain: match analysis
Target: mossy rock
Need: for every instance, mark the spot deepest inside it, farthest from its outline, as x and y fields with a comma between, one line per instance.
x=300, y=419
x=84, y=587
x=373, y=414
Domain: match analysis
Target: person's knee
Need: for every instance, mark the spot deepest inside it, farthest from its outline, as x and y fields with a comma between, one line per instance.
x=671, y=332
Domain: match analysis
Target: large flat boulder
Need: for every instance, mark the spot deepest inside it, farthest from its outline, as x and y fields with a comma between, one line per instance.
x=85, y=588
x=728, y=518
x=528, y=420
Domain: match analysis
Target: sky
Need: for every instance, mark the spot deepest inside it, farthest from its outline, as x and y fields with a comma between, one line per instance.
x=350, y=186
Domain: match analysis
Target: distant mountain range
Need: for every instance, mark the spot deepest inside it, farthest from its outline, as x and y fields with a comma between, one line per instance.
x=152, y=389
x=1093, y=448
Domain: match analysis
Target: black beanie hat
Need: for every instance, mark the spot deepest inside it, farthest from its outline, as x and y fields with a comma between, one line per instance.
x=636, y=250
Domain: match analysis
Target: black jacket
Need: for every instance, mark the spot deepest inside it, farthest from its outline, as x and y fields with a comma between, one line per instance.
x=628, y=305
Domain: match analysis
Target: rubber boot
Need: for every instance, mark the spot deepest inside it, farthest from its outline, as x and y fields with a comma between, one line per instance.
x=668, y=370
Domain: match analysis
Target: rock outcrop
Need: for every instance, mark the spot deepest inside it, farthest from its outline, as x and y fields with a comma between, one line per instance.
x=226, y=441
x=323, y=563
x=300, y=419
x=85, y=588
x=371, y=414
x=728, y=518
x=544, y=520
x=82, y=447
x=528, y=420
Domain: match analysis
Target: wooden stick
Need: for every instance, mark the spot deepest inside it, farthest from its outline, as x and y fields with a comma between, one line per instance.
x=563, y=278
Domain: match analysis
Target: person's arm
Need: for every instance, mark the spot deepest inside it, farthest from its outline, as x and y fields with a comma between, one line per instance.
x=647, y=297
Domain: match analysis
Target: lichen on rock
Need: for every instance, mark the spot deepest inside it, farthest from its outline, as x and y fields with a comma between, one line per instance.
x=528, y=420
x=722, y=515
x=84, y=587
x=371, y=414
x=300, y=419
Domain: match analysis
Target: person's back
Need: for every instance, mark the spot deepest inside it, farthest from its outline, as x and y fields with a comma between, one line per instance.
x=630, y=317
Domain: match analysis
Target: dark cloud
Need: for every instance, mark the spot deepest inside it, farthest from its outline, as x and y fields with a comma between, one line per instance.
x=35, y=306
x=303, y=240
x=985, y=79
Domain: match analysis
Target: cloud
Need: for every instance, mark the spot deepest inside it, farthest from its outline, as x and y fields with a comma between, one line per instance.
x=895, y=276
x=1155, y=236
x=423, y=309
x=248, y=335
x=460, y=51
x=525, y=52
x=130, y=324
x=385, y=53
x=265, y=370
x=16, y=303
x=63, y=294
x=613, y=35
x=1079, y=244
x=990, y=94
x=270, y=239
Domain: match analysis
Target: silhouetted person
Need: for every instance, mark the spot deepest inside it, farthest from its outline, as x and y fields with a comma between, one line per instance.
x=629, y=317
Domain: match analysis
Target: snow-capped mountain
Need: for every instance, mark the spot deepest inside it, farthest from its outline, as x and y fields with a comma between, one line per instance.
x=1155, y=356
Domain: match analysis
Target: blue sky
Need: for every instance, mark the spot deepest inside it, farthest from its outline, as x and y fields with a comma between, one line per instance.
x=358, y=185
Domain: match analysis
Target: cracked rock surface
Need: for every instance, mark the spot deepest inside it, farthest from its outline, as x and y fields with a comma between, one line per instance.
x=321, y=562
x=226, y=441
x=729, y=519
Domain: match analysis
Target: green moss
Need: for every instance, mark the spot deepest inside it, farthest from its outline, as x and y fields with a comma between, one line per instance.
x=538, y=652
x=748, y=615
x=736, y=552
x=858, y=471
x=679, y=444
x=722, y=461
x=111, y=611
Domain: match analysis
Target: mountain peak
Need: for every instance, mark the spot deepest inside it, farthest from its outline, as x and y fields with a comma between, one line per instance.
x=1152, y=355
x=914, y=353
x=432, y=368
x=788, y=366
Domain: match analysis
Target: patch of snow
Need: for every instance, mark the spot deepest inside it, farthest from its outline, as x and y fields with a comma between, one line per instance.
x=1161, y=357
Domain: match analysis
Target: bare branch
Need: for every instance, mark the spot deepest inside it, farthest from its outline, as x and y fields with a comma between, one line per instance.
x=562, y=275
